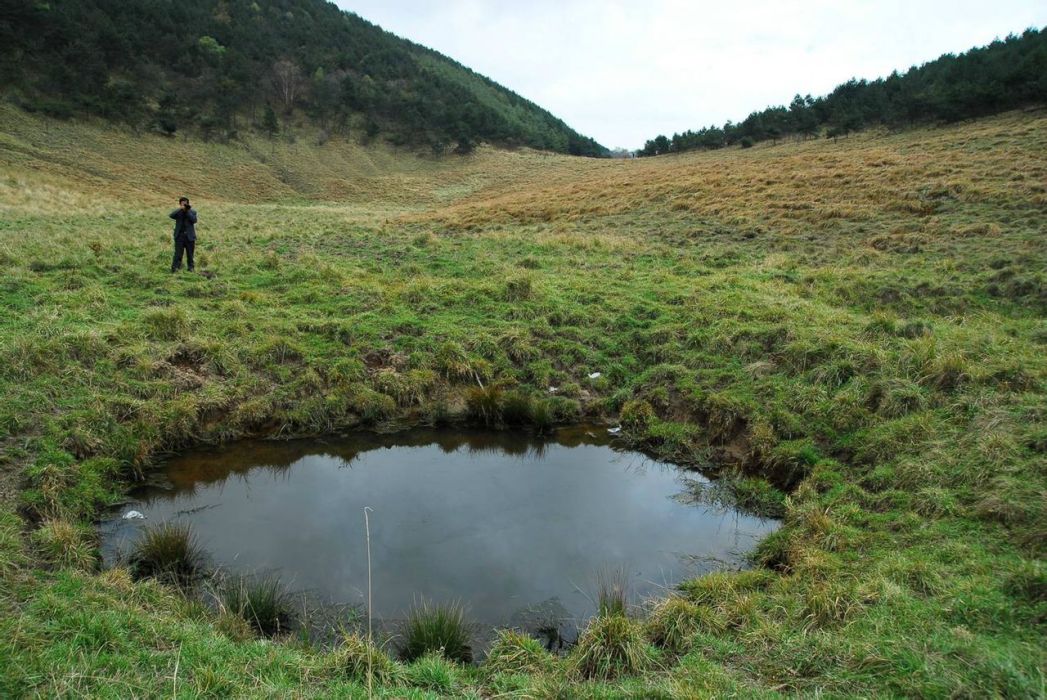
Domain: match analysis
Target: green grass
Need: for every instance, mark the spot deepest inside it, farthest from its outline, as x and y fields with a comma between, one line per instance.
x=514, y=653
x=263, y=603
x=852, y=333
x=612, y=593
x=168, y=552
x=433, y=628
x=611, y=646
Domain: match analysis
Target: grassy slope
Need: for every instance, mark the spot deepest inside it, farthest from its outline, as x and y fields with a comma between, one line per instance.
x=863, y=319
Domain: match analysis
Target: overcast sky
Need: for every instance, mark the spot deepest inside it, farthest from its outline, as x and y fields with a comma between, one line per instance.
x=624, y=71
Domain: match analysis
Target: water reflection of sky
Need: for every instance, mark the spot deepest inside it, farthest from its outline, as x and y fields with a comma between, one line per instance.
x=501, y=522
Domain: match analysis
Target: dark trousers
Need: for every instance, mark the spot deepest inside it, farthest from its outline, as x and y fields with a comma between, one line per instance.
x=182, y=245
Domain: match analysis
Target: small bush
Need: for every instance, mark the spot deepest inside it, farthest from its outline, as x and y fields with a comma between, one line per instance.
x=361, y=657
x=169, y=553
x=747, y=142
x=610, y=647
x=437, y=629
x=263, y=604
x=514, y=652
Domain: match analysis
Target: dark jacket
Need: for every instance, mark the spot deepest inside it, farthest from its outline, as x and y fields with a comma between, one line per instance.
x=185, y=223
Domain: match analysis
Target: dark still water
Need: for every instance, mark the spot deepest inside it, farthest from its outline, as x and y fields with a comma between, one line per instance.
x=505, y=523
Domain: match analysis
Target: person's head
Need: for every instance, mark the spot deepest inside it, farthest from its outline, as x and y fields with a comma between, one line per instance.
x=183, y=202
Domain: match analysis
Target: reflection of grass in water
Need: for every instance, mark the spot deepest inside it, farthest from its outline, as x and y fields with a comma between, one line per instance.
x=750, y=495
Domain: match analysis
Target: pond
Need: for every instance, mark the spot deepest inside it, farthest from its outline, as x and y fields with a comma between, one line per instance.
x=514, y=526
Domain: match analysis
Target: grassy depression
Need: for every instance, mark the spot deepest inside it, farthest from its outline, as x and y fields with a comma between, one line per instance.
x=851, y=333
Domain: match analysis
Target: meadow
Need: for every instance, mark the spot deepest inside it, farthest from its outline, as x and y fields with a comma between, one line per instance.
x=850, y=333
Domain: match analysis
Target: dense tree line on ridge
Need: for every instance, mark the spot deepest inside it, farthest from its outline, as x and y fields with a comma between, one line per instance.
x=1004, y=75
x=219, y=66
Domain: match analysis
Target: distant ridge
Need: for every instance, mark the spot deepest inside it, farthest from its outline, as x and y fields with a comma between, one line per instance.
x=987, y=80
x=220, y=66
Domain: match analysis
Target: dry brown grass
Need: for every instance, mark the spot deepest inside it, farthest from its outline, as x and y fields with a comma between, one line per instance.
x=51, y=166
x=794, y=187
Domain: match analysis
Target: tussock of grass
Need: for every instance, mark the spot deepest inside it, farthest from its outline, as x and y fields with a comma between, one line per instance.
x=611, y=646
x=263, y=603
x=434, y=672
x=66, y=545
x=437, y=629
x=612, y=593
x=362, y=658
x=168, y=552
x=514, y=653
x=485, y=405
x=675, y=622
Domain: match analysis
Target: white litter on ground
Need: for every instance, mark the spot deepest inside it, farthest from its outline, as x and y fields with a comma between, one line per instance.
x=133, y=515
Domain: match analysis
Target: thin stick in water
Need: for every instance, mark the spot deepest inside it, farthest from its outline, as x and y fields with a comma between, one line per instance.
x=370, y=637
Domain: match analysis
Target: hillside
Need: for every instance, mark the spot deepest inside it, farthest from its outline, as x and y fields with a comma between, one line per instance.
x=850, y=333
x=221, y=67
x=1001, y=76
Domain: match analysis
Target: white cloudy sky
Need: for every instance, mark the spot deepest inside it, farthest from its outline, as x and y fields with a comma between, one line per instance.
x=624, y=71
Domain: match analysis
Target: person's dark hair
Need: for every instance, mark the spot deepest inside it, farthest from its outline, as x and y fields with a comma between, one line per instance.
x=183, y=199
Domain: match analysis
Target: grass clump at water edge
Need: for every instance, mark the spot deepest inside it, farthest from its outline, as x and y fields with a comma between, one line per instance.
x=262, y=603
x=436, y=628
x=515, y=652
x=611, y=646
x=168, y=552
x=365, y=662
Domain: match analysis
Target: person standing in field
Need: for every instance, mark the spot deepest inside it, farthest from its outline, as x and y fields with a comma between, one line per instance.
x=184, y=234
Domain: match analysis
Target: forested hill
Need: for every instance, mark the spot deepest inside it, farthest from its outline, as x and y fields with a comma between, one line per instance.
x=217, y=67
x=1003, y=75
